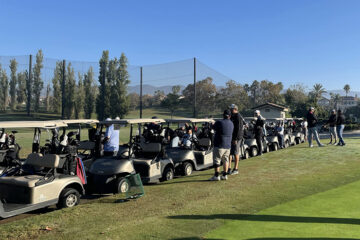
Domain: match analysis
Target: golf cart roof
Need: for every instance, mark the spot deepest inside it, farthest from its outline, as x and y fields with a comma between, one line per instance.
x=79, y=121
x=32, y=124
x=134, y=121
x=275, y=119
x=189, y=120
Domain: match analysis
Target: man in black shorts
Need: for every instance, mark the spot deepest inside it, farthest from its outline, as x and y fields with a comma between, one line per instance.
x=237, y=139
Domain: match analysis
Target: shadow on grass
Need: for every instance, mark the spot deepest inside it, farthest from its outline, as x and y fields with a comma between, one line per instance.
x=271, y=218
x=320, y=238
x=197, y=238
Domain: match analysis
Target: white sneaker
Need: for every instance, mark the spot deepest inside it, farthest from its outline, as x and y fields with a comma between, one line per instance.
x=215, y=178
x=224, y=177
x=310, y=146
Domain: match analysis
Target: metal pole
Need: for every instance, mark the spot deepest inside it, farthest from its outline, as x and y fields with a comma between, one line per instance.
x=28, y=103
x=141, y=91
x=63, y=99
x=195, y=88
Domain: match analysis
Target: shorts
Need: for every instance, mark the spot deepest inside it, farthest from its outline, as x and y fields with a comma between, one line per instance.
x=235, y=148
x=220, y=155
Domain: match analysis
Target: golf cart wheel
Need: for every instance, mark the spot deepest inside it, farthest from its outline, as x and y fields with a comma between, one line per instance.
x=297, y=141
x=168, y=174
x=254, y=152
x=122, y=185
x=287, y=144
x=246, y=154
x=69, y=197
x=267, y=149
x=187, y=169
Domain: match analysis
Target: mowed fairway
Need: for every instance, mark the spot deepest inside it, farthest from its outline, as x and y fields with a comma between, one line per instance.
x=327, y=215
x=191, y=207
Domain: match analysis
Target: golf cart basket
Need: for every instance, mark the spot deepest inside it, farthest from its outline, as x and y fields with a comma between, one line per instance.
x=136, y=188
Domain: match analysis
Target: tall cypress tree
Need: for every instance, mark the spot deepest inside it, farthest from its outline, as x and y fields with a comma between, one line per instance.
x=4, y=88
x=79, y=97
x=56, y=84
x=47, y=98
x=89, y=92
x=38, y=84
x=70, y=84
x=21, y=88
x=13, y=69
x=103, y=100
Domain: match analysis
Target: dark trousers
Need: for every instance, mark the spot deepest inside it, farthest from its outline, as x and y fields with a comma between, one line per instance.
x=259, y=142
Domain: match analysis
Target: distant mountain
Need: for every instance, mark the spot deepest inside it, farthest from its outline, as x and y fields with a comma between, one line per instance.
x=149, y=89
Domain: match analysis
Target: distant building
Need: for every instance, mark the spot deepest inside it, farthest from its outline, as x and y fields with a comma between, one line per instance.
x=324, y=102
x=272, y=110
x=347, y=102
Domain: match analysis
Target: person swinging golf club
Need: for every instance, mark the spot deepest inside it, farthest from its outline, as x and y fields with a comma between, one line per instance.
x=222, y=144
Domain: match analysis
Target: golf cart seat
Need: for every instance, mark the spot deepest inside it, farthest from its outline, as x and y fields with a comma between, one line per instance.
x=36, y=160
x=204, y=142
x=150, y=147
x=86, y=145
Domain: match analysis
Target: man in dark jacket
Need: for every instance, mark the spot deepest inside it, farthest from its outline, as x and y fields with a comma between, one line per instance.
x=312, y=122
x=340, y=125
x=237, y=142
x=332, y=126
x=222, y=144
x=259, y=131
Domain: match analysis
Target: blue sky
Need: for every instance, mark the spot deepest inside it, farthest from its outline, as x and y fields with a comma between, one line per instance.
x=290, y=41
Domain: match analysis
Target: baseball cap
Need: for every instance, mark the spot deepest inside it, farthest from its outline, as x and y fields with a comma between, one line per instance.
x=227, y=113
x=257, y=111
x=233, y=106
x=108, y=119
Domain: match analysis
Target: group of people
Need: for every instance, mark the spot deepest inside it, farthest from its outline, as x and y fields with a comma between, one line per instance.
x=336, y=123
x=229, y=136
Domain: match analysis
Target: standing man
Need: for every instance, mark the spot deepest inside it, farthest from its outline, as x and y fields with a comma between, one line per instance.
x=111, y=140
x=332, y=126
x=304, y=125
x=312, y=122
x=340, y=125
x=237, y=142
x=259, y=131
x=222, y=144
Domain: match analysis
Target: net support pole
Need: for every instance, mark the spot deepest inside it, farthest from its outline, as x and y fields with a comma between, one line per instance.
x=29, y=86
x=194, y=88
x=63, y=89
x=141, y=92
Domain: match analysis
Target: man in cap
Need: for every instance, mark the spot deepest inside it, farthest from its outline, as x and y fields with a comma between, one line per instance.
x=259, y=131
x=111, y=140
x=312, y=122
x=222, y=144
x=332, y=126
x=237, y=142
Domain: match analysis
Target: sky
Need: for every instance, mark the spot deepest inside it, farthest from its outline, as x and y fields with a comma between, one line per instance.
x=303, y=41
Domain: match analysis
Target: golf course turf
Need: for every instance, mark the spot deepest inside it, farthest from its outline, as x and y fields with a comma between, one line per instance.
x=193, y=208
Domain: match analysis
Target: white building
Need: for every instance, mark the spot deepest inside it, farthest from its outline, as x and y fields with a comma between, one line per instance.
x=347, y=102
x=272, y=110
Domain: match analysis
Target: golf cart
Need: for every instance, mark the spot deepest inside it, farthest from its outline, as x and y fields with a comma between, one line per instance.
x=43, y=180
x=9, y=152
x=272, y=134
x=143, y=154
x=298, y=131
x=250, y=140
x=191, y=146
x=290, y=139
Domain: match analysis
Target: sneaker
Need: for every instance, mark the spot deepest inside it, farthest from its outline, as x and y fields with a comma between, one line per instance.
x=215, y=178
x=235, y=172
x=224, y=177
x=311, y=146
x=229, y=172
x=322, y=145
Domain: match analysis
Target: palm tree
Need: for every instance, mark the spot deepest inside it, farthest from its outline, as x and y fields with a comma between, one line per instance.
x=335, y=98
x=317, y=92
x=347, y=89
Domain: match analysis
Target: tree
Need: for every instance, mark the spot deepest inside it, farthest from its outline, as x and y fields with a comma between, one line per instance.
x=103, y=99
x=28, y=92
x=271, y=92
x=253, y=91
x=134, y=100
x=38, y=84
x=70, y=84
x=205, y=96
x=56, y=84
x=159, y=95
x=79, y=97
x=4, y=87
x=347, y=89
x=172, y=100
x=296, y=99
x=13, y=69
x=21, y=89
x=316, y=93
x=89, y=92
x=232, y=93
x=47, y=98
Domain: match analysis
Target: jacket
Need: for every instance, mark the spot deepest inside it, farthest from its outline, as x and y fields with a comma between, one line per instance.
x=332, y=120
x=311, y=119
x=238, y=122
x=223, y=133
x=340, y=120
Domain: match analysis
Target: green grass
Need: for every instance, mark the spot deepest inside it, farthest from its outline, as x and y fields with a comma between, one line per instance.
x=171, y=210
x=331, y=214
